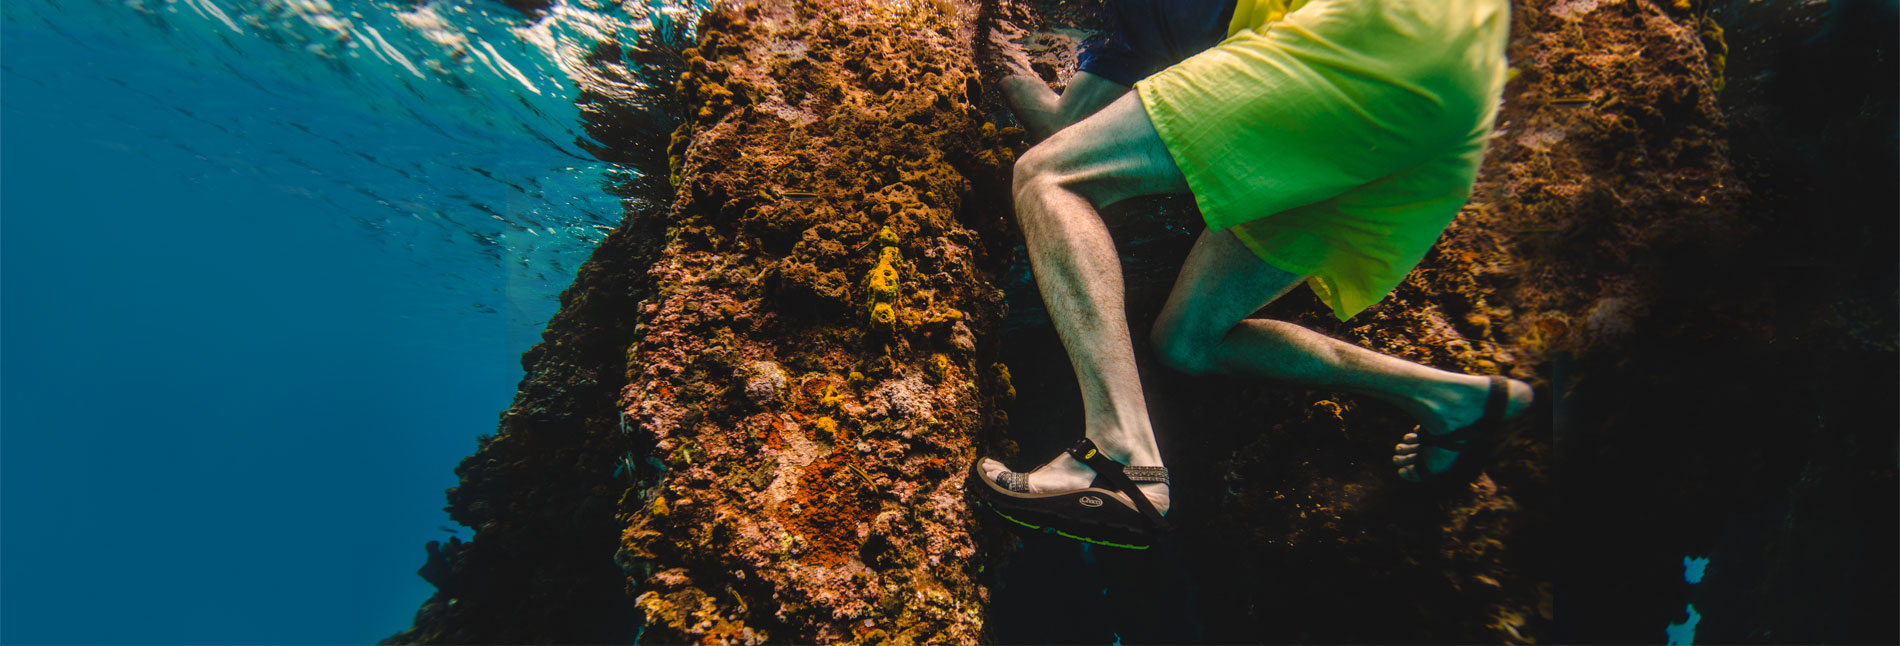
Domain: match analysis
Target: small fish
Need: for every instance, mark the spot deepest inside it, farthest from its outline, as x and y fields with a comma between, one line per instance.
x=798, y=196
x=862, y=474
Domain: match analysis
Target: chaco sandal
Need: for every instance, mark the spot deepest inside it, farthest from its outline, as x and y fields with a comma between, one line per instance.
x=1476, y=444
x=1092, y=515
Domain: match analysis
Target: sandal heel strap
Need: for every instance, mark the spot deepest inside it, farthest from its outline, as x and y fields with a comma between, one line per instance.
x=1147, y=474
x=1495, y=400
x=1116, y=474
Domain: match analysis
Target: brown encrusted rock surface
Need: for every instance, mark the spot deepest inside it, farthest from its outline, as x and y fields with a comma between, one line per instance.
x=750, y=418
x=814, y=365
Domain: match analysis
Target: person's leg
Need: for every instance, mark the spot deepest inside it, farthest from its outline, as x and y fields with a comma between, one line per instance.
x=1059, y=186
x=1043, y=112
x=1204, y=329
x=1040, y=109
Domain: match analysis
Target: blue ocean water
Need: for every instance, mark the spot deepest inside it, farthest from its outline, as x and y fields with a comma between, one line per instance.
x=266, y=271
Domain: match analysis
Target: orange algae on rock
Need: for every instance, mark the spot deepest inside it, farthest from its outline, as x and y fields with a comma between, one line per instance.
x=834, y=501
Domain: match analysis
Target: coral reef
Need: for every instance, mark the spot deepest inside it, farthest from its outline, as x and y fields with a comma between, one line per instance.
x=749, y=420
x=826, y=141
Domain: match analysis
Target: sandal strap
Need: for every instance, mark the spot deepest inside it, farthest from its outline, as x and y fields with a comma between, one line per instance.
x=1116, y=474
x=1452, y=440
x=1494, y=403
x=1013, y=481
x=1147, y=474
x=1497, y=399
x=1019, y=482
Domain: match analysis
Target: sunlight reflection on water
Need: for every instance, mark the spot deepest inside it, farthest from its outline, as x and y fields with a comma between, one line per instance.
x=447, y=132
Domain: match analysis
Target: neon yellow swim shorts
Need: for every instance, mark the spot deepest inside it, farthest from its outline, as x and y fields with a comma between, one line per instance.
x=1337, y=138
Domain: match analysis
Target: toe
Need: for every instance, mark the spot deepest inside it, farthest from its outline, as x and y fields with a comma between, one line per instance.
x=989, y=468
x=1404, y=459
x=1409, y=473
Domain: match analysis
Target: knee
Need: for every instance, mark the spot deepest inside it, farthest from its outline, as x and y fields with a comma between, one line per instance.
x=1035, y=179
x=1176, y=347
x=1034, y=171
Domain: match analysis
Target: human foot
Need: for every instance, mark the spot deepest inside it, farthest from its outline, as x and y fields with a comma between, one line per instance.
x=1004, y=52
x=1466, y=425
x=1065, y=473
x=1057, y=497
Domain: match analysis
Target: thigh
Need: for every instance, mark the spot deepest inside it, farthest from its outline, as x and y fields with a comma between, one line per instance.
x=1221, y=283
x=1112, y=155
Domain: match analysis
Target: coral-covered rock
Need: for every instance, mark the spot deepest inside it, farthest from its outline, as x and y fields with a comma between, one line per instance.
x=827, y=140
x=784, y=439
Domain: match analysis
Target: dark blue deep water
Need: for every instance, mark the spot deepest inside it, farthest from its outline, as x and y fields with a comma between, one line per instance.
x=268, y=268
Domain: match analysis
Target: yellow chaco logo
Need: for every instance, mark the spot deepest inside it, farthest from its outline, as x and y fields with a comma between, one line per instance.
x=1091, y=454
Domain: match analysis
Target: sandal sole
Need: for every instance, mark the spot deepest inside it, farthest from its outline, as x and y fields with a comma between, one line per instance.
x=1040, y=513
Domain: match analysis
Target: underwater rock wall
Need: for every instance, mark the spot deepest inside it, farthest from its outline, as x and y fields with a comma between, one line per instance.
x=1755, y=399
x=815, y=364
x=540, y=493
x=750, y=419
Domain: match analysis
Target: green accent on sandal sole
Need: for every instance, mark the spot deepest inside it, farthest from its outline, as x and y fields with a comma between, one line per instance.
x=1101, y=542
x=1064, y=534
x=1013, y=519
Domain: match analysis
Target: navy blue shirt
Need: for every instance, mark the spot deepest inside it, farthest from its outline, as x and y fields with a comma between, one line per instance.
x=1141, y=37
